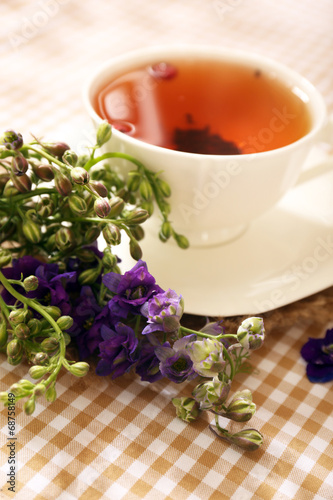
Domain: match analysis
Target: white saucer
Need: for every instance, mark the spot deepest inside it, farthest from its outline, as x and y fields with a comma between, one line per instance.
x=285, y=255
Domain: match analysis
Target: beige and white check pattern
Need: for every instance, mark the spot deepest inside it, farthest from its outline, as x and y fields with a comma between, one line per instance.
x=121, y=440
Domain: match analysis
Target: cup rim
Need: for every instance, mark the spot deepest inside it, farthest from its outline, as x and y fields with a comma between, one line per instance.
x=145, y=54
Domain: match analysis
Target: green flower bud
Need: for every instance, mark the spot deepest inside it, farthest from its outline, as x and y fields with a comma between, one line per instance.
x=102, y=207
x=138, y=233
x=166, y=231
x=117, y=206
x=70, y=157
x=165, y=207
x=14, y=348
x=3, y=333
x=80, y=176
x=181, y=241
x=31, y=231
x=53, y=311
x=37, y=372
x=104, y=133
x=123, y=193
x=22, y=183
x=30, y=283
x=29, y=406
x=22, y=331
x=17, y=316
x=19, y=165
x=39, y=390
x=137, y=216
x=67, y=338
x=25, y=385
x=16, y=360
x=135, y=250
x=5, y=257
x=148, y=206
x=64, y=238
x=211, y=394
x=41, y=359
x=146, y=191
x=85, y=255
x=79, y=369
x=133, y=180
x=65, y=322
x=45, y=208
x=109, y=259
x=34, y=326
x=186, y=408
x=89, y=276
x=77, y=204
x=51, y=243
x=251, y=333
x=247, y=439
x=56, y=148
x=62, y=184
x=92, y=234
x=241, y=408
x=99, y=188
x=50, y=344
x=17, y=390
x=11, y=140
x=51, y=394
x=43, y=172
x=163, y=187
x=10, y=190
x=111, y=234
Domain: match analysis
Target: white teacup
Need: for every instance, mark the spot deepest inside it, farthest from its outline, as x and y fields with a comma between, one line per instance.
x=215, y=197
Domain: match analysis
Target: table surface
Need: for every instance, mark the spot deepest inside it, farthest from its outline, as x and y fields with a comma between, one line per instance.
x=120, y=439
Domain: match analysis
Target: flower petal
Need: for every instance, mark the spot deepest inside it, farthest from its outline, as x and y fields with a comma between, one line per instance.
x=319, y=373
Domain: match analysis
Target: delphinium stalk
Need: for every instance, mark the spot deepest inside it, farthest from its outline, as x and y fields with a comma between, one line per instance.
x=53, y=202
x=54, y=205
x=43, y=341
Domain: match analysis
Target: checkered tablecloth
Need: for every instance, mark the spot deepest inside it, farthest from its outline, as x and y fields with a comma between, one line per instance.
x=120, y=439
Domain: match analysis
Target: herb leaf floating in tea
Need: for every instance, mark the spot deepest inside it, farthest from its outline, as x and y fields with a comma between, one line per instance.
x=202, y=141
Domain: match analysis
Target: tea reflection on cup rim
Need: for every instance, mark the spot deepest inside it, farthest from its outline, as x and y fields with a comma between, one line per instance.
x=215, y=197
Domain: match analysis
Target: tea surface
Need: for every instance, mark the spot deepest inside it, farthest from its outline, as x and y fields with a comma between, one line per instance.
x=204, y=106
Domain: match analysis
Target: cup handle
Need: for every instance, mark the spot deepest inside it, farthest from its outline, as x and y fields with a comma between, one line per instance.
x=326, y=157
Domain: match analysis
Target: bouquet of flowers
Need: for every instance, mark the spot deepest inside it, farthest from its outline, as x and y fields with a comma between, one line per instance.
x=61, y=216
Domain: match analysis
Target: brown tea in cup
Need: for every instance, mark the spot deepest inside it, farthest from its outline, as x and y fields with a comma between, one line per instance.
x=205, y=106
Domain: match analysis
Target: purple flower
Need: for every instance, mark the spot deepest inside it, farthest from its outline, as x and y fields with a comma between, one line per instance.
x=84, y=311
x=148, y=366
x=118, y=351
x=214, y=328
x=132, y=289
x=163, y=311
x=89, y=340
x=51, y=284
x=175, y=363
x=319, y=355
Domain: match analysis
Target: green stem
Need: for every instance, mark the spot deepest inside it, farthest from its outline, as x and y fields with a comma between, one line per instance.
x=183, y=329
x=220, y=429
x=189, y=331
x=231, y=363
x=4, y=308
x=36, y=192
x=34, y=305
x=46, y=155
x=90, y=163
